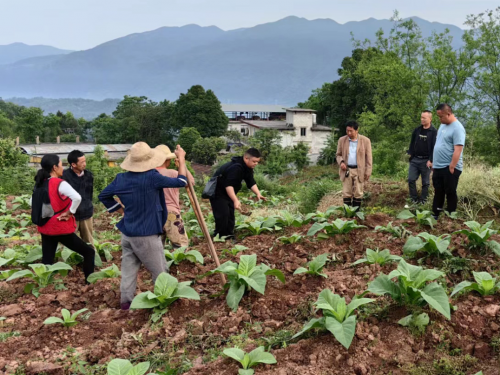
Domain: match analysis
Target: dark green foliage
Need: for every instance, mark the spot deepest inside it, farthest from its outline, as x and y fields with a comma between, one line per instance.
x=103, y=175
x=187, y=138
x=312, y=194
x=299, y=156
x=205, y=150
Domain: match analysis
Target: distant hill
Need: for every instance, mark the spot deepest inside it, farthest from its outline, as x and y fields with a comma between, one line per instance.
x=11, y=53
x=86, y=108
x=278, y=62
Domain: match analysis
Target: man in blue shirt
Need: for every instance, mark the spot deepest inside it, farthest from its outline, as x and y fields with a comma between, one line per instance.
x=140, y=191
x=448, y=162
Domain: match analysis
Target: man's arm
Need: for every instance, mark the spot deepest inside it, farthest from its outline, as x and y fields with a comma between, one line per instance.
x=368, y=160
x=230, y=192
x=106, y=197
x=340, y=158
x=412, y=142
x=456, y=157
x=160, y=181
x=256, y=191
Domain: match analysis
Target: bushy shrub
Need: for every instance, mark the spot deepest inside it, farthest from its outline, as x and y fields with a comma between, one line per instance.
x=10, y=155
x=299, y=155
x=313, y=192
x=103, y=174
x=205, y=150
x=17, y=180
x=187, y=138
x=327, y=156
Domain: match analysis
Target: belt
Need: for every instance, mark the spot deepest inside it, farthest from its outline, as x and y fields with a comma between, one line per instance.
x=422, y=157
x=352, y=166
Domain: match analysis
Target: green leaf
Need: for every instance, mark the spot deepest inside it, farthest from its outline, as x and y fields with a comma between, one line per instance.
x=93, y=277
x=257, y=281
x=142, y=301
x=119, y=367
x=421, y=321
x=405, y=215
x=235, y=294
x=315, y=228
x=360, y=261
x=235, y=353
x=165, y=285
x=405, y=322
x=459, y=287
x=356, y=302
x=485, y=281
x=343, y=332
x=197, y=256
x=300, y=270
x=184, y=291
x=494, y=246
x=76, y=313
x=246, y=371
x=59, y=266
x=19, y=274
x=139, y=369
x=66, y=314
x=33, y=256
x=259, y=355
x=318, y=263
x=276, y=273
x=413, y=244
x=247, y=264
x=383, y=285
x=53, y=320
x=313, y=323
x=436, y=297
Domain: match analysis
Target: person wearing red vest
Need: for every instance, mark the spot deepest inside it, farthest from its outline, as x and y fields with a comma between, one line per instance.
x=61, y=227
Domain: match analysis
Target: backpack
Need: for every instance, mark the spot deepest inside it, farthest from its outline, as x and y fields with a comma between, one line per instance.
x=41, y=209
x=211, y=186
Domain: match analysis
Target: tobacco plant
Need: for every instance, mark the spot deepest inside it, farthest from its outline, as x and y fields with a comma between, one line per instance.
x=180, y=254
x=106, y=273
x=166, y=291
x=321, y=217
x=378, y=257
x=120, y=366
x=485, y=284
x=68, y=319
x=235, y=250
x=339, y=226
x=314, y=267
x=411, y=288
x=479, y=236
x=338, y=317
x=105, y=249
x=428, y=243
x=259, y=226
x=248, y=360
x=42, y=276
x=351, y=212
x=396, y=231
x=21, y=202
x=294, y=238
x=415, y=322
x=245, y=276
x=287, y=219
x=421, y=217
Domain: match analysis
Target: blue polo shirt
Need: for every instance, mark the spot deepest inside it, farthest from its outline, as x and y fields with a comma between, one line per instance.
x=448, y=137
x=142, y=195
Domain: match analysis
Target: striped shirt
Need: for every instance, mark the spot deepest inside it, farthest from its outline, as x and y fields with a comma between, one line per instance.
x=141, y=194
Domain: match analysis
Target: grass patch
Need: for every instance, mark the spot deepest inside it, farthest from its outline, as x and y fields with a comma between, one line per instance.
x=4, y=336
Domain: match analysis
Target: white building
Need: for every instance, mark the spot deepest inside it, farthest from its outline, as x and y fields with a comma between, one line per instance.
x=299, y=126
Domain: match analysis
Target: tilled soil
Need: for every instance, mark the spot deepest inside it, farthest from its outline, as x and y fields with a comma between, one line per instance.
x=196, y=331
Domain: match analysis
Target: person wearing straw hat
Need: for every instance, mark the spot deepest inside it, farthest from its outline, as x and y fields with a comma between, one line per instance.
x=140, y=190
x=174, y=227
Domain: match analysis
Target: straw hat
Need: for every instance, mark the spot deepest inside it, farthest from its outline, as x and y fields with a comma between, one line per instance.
x=142, y=158
x=166, y=151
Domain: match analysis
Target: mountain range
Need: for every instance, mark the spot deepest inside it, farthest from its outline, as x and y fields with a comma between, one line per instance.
x=11, y=53
x=273, y=63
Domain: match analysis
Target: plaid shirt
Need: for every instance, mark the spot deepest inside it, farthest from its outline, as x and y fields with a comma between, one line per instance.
x=141, y=194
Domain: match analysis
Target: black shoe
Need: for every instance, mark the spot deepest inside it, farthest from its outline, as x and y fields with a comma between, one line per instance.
x=357, y=203
x=435, y=217
x=348, y=201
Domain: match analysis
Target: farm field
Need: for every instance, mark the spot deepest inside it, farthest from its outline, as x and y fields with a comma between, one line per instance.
x=191, y=335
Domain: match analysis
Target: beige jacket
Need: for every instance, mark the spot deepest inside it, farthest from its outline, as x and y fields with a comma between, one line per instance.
x=364, y=156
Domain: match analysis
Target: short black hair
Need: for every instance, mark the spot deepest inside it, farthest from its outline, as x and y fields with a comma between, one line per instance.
x=253, y=152
x=352, y=124
x=73, y=157
x=444, y=106
x=427, y=111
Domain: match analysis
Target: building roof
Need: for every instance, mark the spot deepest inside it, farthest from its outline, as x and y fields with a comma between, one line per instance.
x=254, y=108
x=66, y=148
x=277, y=125
x=321, y=128
x=300, y=110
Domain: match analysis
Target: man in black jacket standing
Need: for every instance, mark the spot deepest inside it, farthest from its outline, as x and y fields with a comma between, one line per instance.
x=82, y=180
x=421, y=153
x=225, y=200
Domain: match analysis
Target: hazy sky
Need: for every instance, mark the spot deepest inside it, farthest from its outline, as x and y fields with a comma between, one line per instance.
x=82, y=24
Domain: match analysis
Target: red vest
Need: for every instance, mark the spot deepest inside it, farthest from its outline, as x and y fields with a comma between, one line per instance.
x=61, y=203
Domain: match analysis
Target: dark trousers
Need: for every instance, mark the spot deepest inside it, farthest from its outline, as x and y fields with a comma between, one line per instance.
x=445, y=186
x=223, y=209
x=418, y=167
x=72, y=242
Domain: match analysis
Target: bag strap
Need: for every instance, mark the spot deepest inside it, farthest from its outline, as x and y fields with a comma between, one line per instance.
x=57, y=187
x=224, y=168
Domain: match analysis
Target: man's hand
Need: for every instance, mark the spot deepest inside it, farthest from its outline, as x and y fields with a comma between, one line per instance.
x=65, y=216
x=452, y=169
x=343, y=166
x=261, y=198
x=176, y=162
x=429, y=164
x=121, y=211
x=237, y=205
x=180, y=153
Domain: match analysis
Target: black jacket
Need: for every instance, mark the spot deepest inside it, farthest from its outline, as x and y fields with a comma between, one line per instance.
x=431, y=141
x=232, y=174
x=85, y=187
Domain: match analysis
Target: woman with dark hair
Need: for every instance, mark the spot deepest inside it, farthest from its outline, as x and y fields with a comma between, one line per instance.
x=61, y=227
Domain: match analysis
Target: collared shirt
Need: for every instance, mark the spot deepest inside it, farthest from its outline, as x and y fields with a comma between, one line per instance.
x=353, y=149
x=448, y=137
x=172, y=195
x=141, y=194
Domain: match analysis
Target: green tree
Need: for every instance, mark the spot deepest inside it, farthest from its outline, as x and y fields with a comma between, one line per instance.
x=10, y=155
x=264, y=140
x=234, y=136
x=107, y=129
x=205, y=150
x=201, y=110
x=187, y=138
x=7, y=126
x=299, y=155
x=30, y=123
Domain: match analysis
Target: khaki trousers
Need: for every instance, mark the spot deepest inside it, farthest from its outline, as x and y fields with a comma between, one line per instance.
x=86, y=230
x=351, y=186
x=174, y=231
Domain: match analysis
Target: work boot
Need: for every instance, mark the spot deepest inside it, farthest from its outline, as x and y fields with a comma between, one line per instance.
x=356, y=202
x=125, y=306
x=348, y=201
